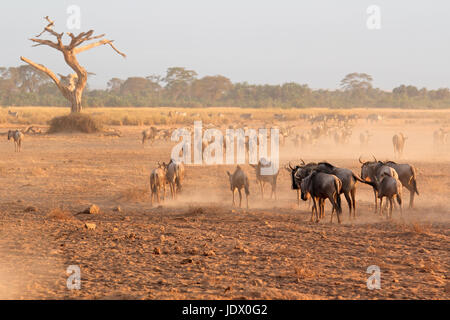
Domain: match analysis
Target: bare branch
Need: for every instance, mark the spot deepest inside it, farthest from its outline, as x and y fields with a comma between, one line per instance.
x=46, y=42
x=50, y=25
x=42, y=68
x=97, y=44
x=49, y=29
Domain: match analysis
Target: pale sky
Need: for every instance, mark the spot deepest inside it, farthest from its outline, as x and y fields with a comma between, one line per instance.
x=315, y=42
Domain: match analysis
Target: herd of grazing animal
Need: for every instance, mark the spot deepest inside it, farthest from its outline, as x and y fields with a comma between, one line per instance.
x=172, y=174
x=321, y=181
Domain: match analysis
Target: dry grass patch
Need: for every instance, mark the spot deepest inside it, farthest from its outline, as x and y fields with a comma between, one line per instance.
x=75, y=122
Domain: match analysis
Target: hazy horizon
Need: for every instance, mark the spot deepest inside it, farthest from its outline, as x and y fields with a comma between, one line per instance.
x=261, y=42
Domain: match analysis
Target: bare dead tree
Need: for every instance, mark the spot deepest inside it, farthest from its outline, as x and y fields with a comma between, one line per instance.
x=72, y=85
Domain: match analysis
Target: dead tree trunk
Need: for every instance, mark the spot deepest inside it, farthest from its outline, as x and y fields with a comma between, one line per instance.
x=71, y=86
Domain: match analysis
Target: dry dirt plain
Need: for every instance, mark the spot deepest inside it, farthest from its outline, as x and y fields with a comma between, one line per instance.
x=199, y=246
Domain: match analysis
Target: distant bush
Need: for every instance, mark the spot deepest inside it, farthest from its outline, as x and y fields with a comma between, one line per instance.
x=75, y=122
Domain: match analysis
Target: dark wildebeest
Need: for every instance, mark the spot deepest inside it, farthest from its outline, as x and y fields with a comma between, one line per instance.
x=158, y=182
x=149, y=134
x=298, y=173
x=349, y=181
x=17, y=135
x=375, y=171
x=398, y=140
x=389, y=187
x=407, y=175
x=174, y=176
x=321, y=186
x=347, y=177
x=239, y=180
x=263, y=178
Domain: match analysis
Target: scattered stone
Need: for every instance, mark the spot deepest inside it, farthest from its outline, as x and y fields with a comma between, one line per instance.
x=30, y=209
x=258, y=283
x=162, y=238
x=209, y=253
x=156, y=250
x=193, y=251
x=115, y=229
x=186, y=261
x=93, y=209
x=117, y=209
x=178, y=249
x=371, y=250
x=90, y=226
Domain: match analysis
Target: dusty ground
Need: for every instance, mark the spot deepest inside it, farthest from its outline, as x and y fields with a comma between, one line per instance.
x=199, y=246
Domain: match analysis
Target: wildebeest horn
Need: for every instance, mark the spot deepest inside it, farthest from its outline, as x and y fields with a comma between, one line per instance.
x=360, y=161
x=290, y=166
x=374, y=158
x=303, y=162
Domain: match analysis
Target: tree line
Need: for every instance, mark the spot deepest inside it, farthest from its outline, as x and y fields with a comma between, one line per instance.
x=180, y=87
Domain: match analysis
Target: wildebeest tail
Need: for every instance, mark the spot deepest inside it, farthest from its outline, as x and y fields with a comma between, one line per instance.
x=370, y=183
x=413, y=181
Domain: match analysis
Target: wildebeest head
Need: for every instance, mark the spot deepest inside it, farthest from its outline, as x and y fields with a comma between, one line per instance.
x=293, y=171
x=304, y=186
x=10, y=134
x=367, y=168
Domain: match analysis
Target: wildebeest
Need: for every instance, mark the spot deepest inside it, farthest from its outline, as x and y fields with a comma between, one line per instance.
x=239, y=181
x=391, y=188
x=158, y=182
x=440, y=137
x=262, y=179
x=398, y=140
x=374, y=118
x=17, y=135
x=246, y=116
x=298, y=173
x=174, y=176
x=321, y=186
x=347, y=177
x=149, y=134
x=375, y=171
x=407, y=176
x=13, y=114
x=364, y=138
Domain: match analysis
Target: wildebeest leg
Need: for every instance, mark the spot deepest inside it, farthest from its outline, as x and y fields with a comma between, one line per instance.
x=322, y=209
x=381, y=206
x=349, y=202
x=391, y=205
x=246, y=198
x=240, y=198
x=158, y=190
x=232, y=191
x=399, y=200
x=298, y=198
x=316, y=204
x=332, y=210
x=353, y=195
x=314, y=209
x=375, y=193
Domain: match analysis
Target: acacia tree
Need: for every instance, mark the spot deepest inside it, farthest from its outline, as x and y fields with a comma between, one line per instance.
x=72, y=85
